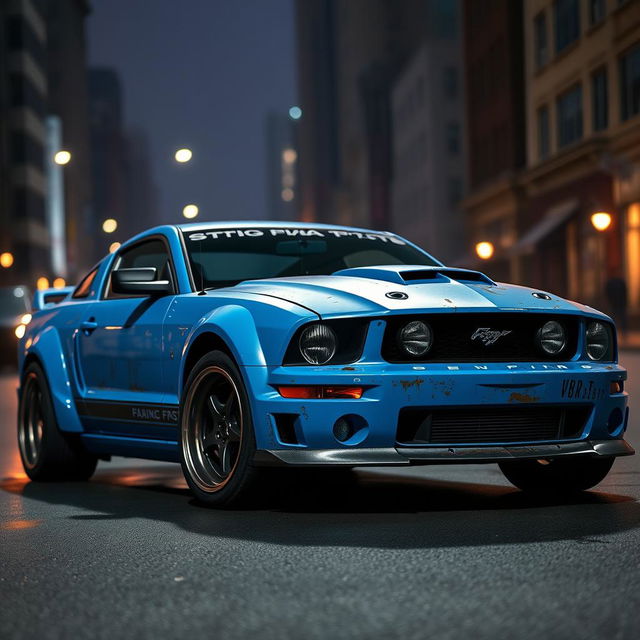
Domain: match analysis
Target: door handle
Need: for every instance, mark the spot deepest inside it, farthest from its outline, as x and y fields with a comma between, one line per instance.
x=88, y=326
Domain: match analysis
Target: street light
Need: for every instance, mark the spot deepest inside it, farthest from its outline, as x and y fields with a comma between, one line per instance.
x=42, y=283
x=295, y=113
x=183, y=155
x=109, y=225
x=190, y=211
x=6, y=259
x=601, y=220
x=484, y=250
x=114, y=246
x=62, y=157
x=58, y=283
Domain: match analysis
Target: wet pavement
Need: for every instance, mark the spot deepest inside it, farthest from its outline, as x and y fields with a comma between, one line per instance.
x=441, y=552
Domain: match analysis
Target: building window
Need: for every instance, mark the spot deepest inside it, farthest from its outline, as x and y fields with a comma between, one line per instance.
x=450, y=81
x=567, y=22
x=453, y=138
x=599, y=100
x=630, y=83
x=597, y=10
x=540, y=39
x=569, y=110
x=543, y=132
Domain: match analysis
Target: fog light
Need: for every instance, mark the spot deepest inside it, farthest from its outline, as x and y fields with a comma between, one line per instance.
x=342, y=429
x=615, y=420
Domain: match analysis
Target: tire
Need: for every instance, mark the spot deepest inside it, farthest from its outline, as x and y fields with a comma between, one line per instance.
x=217, y=440
x=47, y=453
x=564, y=475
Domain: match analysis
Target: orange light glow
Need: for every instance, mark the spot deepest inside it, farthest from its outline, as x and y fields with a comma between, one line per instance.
x=601, y=220
x=6, y=259
x=20, y=331
x=317, y=392
x=484, y=250
x=58, y=283
x=42, y=283
x=114, y=246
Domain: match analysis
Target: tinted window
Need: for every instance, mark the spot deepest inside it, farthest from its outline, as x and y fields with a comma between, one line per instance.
x=147, y=254
x=85, y=288
x=540, y=39
x=225, y=257
x=543, y=132
x=567, y=20
x=570, y=116
x=630, y=83
x=599, y=99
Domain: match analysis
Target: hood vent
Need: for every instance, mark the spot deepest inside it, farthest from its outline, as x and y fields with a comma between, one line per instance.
x=409, y=275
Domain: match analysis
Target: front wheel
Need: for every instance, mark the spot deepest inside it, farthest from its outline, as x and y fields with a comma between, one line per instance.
x=217, y=442
x=564, y=475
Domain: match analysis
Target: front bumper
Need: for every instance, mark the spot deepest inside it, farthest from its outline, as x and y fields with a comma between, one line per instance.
x=390, y=388
x=440, y=455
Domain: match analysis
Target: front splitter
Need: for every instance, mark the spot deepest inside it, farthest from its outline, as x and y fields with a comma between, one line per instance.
x=438, y=455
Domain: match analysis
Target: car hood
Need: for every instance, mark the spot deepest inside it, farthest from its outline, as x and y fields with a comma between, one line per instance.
x=381, y=290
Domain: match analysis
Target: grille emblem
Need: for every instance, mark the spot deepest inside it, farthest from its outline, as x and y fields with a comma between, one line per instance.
x=488, y=336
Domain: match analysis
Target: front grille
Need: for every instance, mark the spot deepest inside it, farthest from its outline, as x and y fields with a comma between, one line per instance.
x=452, y=337
x=482, y=425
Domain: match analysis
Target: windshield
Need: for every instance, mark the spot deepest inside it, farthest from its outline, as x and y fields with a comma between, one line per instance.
x=225, y=257
x=14, y=302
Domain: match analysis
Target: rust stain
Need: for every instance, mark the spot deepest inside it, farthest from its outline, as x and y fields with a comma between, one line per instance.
x=523, y=397
x=407, y=384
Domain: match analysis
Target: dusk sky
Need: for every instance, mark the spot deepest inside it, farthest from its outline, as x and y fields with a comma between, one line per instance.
x=201, y=74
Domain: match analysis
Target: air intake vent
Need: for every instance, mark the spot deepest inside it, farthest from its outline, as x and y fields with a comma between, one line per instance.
x=453, y=274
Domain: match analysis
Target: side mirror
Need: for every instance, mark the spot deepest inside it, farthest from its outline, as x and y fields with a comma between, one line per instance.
x=139, y=280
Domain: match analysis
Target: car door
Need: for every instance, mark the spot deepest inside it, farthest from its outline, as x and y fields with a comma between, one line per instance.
x=120, y=351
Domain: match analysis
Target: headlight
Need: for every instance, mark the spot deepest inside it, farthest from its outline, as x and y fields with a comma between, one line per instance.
x=318, y=344
x=552, y=338
x=598, y=340
x=415, y=338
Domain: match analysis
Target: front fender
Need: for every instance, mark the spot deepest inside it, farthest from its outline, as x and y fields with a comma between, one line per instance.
x=47, y=349
x=236, y=327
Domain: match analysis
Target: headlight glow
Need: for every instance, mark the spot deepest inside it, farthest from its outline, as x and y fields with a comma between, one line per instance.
x=20, y=331
x=318, y=344
x=598, y=340
x=415, y=338
x=552, y=337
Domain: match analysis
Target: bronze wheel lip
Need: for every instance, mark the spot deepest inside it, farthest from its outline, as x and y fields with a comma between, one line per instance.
x=200, y=469
x=30, y=429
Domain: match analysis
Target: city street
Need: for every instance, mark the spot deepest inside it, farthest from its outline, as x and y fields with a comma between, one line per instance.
x=423, y=552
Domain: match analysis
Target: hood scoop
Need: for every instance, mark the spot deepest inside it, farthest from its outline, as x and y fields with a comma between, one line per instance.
x=416, y=275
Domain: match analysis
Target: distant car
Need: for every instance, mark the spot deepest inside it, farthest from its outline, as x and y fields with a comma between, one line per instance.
x=15, y=308
x=230, y=347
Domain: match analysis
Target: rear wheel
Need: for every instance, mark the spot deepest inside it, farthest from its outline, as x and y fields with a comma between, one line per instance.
x=47, y=453
x=216, y=432
x=564, y=475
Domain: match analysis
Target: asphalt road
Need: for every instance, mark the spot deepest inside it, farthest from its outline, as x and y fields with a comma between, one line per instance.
x=437, y=552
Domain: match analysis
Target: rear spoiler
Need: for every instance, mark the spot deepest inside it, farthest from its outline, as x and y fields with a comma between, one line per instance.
x=50, y=297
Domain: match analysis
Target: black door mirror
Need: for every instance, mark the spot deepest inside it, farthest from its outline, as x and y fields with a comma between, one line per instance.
x=139, y=280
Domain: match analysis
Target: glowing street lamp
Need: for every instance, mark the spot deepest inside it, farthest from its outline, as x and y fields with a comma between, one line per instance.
x=62, y=157
x=183, y=155
x=109, y=225
x=42, y=283
x=484, y=250
x=58, y=283
x=190, y=211
x=114, y=246
x=295, y=113
x=6, y=259
x=601, y=220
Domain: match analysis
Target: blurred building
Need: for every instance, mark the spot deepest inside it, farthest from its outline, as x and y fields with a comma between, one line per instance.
x=583, y=146
x=108, y=156
x=282, y=163
x=349, y=54
x=495, y=115
x=66, y=57
x=428, y=144
x=23, y=107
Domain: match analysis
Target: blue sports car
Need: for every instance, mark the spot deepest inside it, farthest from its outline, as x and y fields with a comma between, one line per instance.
x=231, y=347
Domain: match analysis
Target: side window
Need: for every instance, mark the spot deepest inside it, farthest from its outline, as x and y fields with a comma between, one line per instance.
x=85, y=288
x=153, y=253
